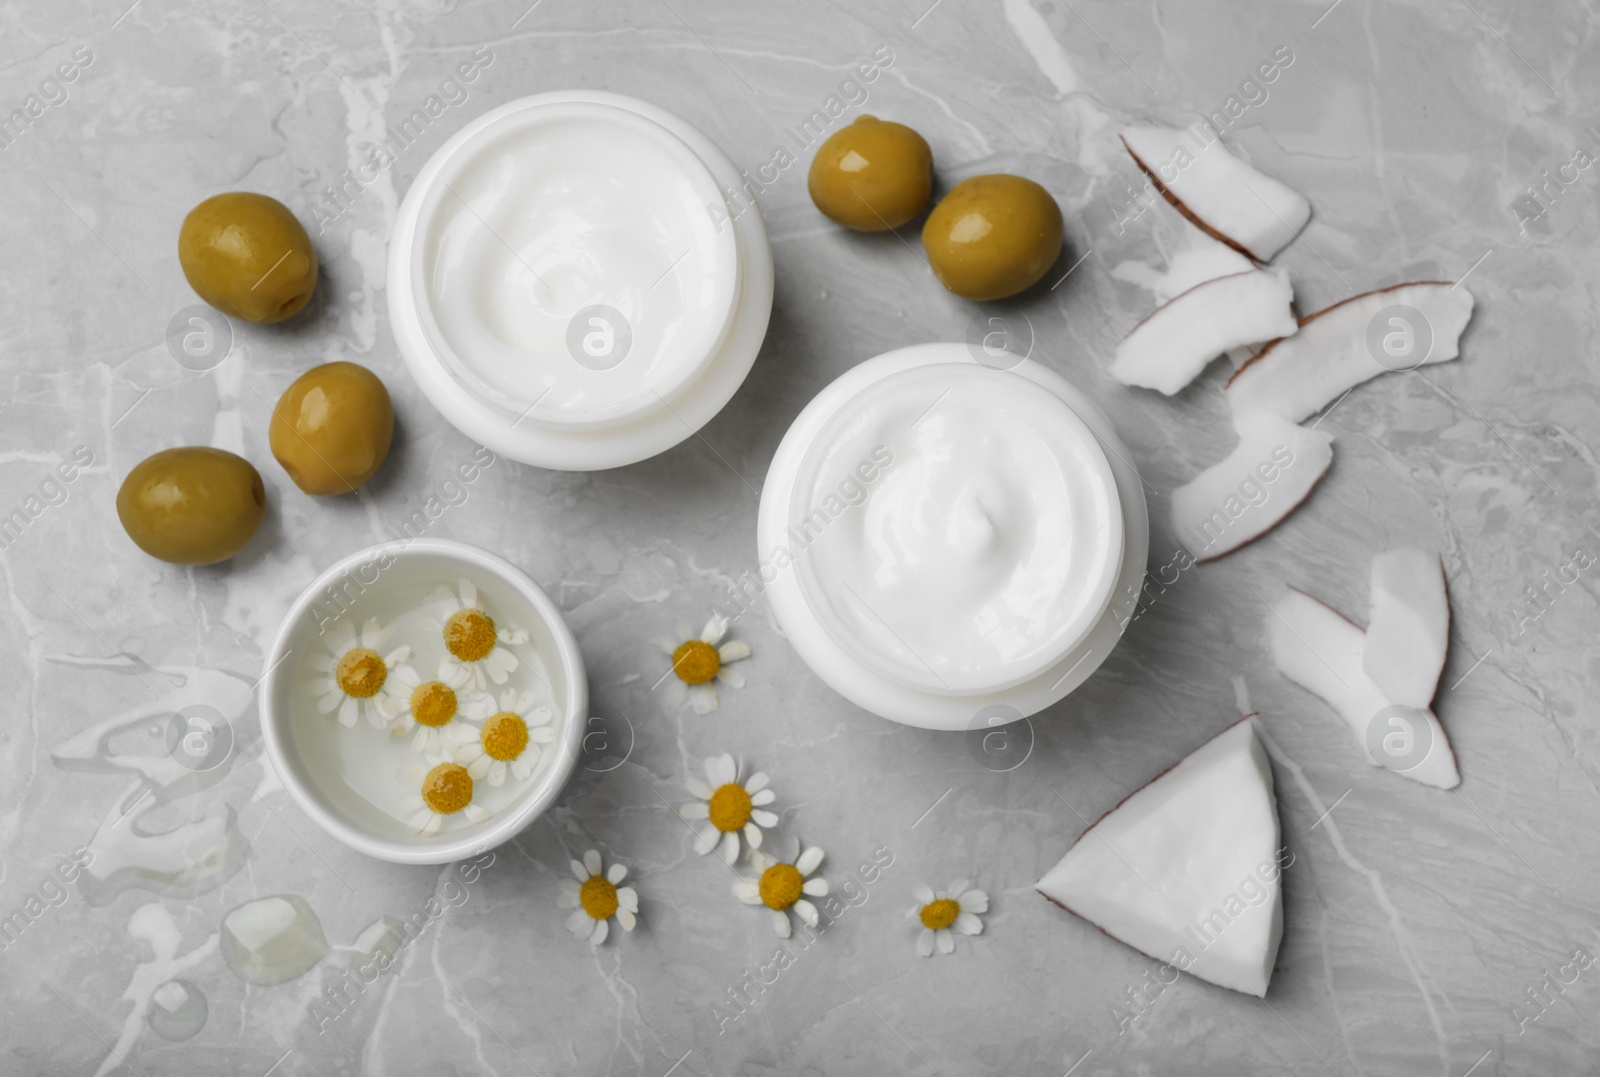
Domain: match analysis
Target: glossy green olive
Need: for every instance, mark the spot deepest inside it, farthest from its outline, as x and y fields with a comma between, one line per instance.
x=192, y=506
x=332, y=428
x=993, y=236
x=872, y=175
x=248, y=256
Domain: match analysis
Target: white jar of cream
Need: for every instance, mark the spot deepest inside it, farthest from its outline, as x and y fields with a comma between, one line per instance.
x=945, y=541
x=568, y=285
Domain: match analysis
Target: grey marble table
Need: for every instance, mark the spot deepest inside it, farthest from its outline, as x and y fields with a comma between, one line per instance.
x=1416, y=922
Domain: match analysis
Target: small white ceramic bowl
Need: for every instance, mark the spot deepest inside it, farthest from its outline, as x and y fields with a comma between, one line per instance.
x=305, y=746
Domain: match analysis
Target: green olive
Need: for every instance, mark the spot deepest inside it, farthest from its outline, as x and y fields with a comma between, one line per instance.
x=191, y=506
x=248, y=256
x=872, y=175
x=993, y=236
x=331, y=429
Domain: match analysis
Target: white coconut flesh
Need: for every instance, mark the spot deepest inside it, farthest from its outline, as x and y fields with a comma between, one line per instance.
x=1319, y=649
x=1188, y=863
x=1224, y=197
x=1170, y=347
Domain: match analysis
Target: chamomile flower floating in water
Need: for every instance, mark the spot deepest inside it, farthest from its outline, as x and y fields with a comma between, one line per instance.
x=443, y=789
x=427, y=707
x=595, y=898
x=784, y=886
x=510, y=739
x=352, y=673
x=955, y=909
x=729, y=809
x=476, y=644
x=697, y=663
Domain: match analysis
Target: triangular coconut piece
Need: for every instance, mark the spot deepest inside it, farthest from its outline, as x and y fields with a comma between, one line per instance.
x=1174, y=343
x=1351, y=342
x=1186, y=869
x=1319, y=649
x=1219, y=194
x=1266, y=477
x=1408, y=636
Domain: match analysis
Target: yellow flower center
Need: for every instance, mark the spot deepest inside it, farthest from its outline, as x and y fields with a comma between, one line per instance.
x=598, y=897
x=504, y=736
x=780, y=886
x=469, y=635
x=730, y=807
x=940, y=914
x=361, y=673
x=696, y=661
x=447, y=788
x=433, y=704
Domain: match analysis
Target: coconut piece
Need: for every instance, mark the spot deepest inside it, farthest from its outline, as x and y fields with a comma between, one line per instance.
x=1408, y=637
x=1320, y=649
x=1174, y=343
x=1219, y=194
x=1186, y=869
x=1265, y=478
x=1351, y=342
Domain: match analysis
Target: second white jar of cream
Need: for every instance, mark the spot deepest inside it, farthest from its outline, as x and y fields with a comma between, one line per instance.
x=568, y=285
x=945, y=541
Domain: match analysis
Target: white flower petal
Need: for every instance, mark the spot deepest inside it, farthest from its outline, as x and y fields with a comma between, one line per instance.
x=763, y=818
x=758, y=781
x=523, y=766
x=922, y=893
x=601, y=929
x=512, y=635
x=342, y=637
x=815, y=887
x=477, y=813
x=707, y=839
x=397, y=656
x=703, y=698
x=730, y=677
x=694, y=809
x=721, y=769
x=925, y=942
x=579, y=872
x=946, y=941
x=349, y=713
x=497, y=773
x=747, y=891
x=469, y=595
x=808, y=861
x=663, y=644
x=676, y=693
x=431, y=826
x=806, y=911
x=536, y=717
x=371, y=633
x=323, y=663
x=580, y=924
x=734, y=651
x=730, y=846
x=373, y=709
x=752, y=834
x=958, y=888
x=780, y=924
x=698, y=788
x=626, y=918
x=715, y=629
x=616, y=873
x=330, y=702
x=627, y=899
x=967, y=924
x=569, y=888
x=766, y=796
x=974, y=901
x=592, y=861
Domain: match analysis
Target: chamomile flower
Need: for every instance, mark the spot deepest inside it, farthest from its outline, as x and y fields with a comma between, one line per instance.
x=595, y=898
x=783, y=886
x=442, y=789
x=476, y=644
x=729, y=808
x=697, y=663
x=510, y=739
x=955, y=909
x=425, y=708
x=352, y=672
